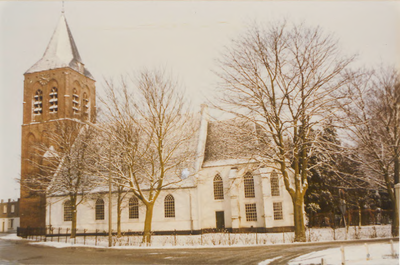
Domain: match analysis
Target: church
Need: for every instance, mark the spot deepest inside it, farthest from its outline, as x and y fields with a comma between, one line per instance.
x=229, y=192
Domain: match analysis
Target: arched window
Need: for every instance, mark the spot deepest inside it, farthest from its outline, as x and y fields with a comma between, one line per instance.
x=133, y=208
x=249, y=186
x=99, y=209
x=218, y=188
x=85, y=105
x=38, y=102
x=75, y=101
x=274, y=184
x=53, y=100
x=169, y=206
x=67, y=211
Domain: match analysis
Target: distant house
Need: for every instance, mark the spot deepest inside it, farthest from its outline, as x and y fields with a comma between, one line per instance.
x=230, y=190
x=9, y=216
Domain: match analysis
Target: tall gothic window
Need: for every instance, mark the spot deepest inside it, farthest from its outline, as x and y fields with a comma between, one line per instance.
x=133, y=208
x=249, y=186
x=85, y=104
x=53, y=100
x=67, y=211
x=278, y=213
x=169, y=206
x=218, y=188
x=99, y=209
x=38, y=102
x=75, y=101
x=274, y=184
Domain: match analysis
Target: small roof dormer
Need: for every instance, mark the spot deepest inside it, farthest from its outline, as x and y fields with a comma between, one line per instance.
x=61, y=52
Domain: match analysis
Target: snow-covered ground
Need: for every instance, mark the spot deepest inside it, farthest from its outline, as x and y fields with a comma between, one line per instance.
x=225, y=239
x=379, y=254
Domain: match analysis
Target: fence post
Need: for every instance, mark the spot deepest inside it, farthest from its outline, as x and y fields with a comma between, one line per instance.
x=95, y=239
x=59, y=231
x=256, y=236
x=66, y=235
x=391, y=246
x=175, y=237
x=397, y=197
x=84, y=236
x=368, y=255
x=343, y=255
x=76, y=232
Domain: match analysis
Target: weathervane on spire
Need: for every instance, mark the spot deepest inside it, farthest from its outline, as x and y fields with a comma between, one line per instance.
x=62, y=9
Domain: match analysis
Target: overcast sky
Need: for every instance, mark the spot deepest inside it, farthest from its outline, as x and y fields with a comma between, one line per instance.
x=115, y=38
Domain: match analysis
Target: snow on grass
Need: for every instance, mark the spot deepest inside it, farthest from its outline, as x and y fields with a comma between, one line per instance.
x=215, y=239
x=11, y=237
x=268, y=261
x=379, y=254
x=63, y=245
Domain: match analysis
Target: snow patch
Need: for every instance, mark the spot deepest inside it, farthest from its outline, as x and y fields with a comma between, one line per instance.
x=268, y=261
x=380, y=254
x=11, y=237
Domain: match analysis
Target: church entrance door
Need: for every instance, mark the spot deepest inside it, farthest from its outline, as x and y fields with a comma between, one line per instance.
x=220, y=220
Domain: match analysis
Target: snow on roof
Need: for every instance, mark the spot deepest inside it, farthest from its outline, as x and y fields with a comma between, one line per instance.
x=50, y=153
x=229, y=140
x=61, y=52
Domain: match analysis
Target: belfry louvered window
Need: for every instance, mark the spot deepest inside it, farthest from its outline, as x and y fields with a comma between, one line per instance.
x=274, y=184
x=53, y=100
x=99, y=209
x=169, y=206
x=85, y=104
x=67, y=211
x=133, y=208
x=75, y=101
x=38, y=102
x=218, y=188
x=249, y=186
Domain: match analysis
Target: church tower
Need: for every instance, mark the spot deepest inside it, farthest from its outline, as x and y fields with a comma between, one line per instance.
x=57, y=88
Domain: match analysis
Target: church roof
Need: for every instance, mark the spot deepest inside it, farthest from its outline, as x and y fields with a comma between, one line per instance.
x=230, y=139
x=61, y=52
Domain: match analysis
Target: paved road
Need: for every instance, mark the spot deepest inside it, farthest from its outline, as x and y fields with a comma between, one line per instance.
x=20, y=252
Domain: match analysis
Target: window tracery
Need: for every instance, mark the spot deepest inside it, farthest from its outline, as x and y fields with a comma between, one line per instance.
x=169, y=206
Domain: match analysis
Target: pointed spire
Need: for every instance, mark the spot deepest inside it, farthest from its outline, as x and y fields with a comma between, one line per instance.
x=61, y=52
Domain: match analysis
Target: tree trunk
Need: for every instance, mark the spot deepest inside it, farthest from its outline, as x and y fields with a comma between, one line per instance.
x=147, y=223
x=119, y=215
x=299, y=227
x=73, y=223
x=395, y=221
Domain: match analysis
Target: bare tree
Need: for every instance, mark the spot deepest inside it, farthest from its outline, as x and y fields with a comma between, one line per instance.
x=371, y=116
x=283, y=78
x=150, y=132
x=64, y=165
